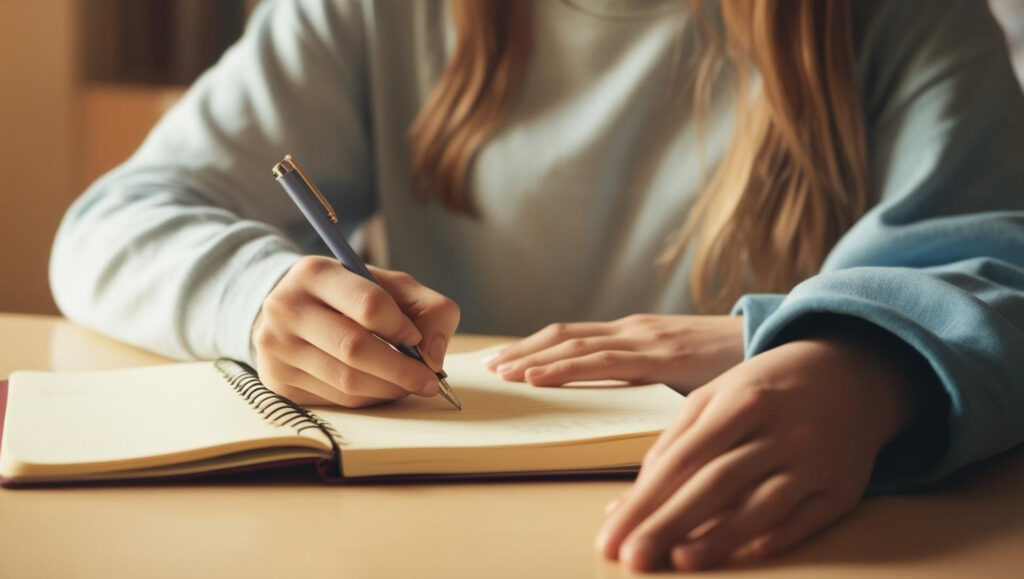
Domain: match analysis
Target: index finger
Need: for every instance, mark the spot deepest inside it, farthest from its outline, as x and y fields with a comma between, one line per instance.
x=435, y=315
x=550, y=335
x=716, y=431
x=361, y=300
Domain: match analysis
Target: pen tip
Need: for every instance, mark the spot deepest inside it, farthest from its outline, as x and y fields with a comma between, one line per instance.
x=446, y=391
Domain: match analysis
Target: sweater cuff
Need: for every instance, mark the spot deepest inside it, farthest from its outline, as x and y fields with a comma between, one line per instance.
x=249, y=288
x=755, y=309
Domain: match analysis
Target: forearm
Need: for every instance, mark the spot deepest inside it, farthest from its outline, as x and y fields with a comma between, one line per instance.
x=911, y=405
x=177, y=278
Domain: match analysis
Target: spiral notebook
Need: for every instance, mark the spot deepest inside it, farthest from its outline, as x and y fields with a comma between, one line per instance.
x=204, y=418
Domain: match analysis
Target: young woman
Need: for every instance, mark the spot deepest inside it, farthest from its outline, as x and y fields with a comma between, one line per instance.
x=843, y=179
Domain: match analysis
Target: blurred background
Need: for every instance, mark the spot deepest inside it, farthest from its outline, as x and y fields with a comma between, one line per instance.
x=81, y=83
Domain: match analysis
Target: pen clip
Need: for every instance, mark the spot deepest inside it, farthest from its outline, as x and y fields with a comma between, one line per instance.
x=288, y=165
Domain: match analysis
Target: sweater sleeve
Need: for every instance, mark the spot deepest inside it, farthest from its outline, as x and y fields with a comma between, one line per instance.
x=176, y=249
x=939, y=261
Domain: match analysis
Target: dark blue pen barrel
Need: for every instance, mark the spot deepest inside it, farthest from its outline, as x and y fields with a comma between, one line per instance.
x=317, y=216
x=410, y=351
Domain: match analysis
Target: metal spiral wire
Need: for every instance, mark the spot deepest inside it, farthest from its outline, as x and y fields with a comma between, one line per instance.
x=274, y=407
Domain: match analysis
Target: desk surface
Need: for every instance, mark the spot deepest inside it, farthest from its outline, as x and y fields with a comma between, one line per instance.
x=970, y=526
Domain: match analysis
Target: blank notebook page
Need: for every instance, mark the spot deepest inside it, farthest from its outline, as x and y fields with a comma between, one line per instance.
x=499, y=413
x=143, y=416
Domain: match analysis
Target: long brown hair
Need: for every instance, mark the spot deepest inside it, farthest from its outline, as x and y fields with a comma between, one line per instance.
x=792, y=181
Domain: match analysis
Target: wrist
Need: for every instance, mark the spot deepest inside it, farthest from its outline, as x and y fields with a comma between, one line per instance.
x=900, y=399
x=881, y=363
x=880, y=367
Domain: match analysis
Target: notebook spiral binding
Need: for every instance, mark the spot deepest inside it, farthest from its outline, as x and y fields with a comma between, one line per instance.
x=275, y=408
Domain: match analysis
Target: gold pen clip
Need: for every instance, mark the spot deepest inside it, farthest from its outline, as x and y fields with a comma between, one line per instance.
x=288, y=165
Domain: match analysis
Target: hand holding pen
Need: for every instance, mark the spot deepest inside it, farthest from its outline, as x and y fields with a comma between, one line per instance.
x=325, y=332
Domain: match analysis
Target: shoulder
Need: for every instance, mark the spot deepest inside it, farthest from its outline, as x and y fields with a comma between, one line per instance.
x=903, y=45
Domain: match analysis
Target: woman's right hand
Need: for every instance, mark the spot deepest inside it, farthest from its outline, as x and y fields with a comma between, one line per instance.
x=315, y=343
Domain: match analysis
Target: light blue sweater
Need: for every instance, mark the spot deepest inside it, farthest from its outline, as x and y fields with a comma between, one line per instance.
x=593, y=169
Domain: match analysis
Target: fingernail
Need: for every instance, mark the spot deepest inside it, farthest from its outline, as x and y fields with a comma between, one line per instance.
x=601, y=541
x=436, y=350
x=684, y=559
x=634, y=555
x=431, y=388
x=486, y=360
x=614, y=504
x=644, y=557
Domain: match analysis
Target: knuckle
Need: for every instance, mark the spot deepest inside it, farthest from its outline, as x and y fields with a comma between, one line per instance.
x=638, y=319
x=403, y=278
x=263, y=338
x=660, y=335
x=279, y=305
x=351, y=346
x=311, y=266
x=344, y=378
x=576, y=345
x=680, y=351
x=754, y=399
x=557, y=330
x=563, y=368
x=717, y=476
x=606, y=358
x=449, y=307
x=372, y=304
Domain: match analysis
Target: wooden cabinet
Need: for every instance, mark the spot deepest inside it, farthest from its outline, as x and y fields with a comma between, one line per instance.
x=83, y=82
x=113, y=119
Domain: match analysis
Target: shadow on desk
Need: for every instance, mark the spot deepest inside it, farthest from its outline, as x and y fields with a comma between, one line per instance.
x=976, y=509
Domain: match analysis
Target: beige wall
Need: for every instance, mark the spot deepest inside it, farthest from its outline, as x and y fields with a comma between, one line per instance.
x=56, y=137
x=111, y=122
x=36, y=148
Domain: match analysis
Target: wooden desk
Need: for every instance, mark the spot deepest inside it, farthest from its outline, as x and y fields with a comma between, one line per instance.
x=972, y=526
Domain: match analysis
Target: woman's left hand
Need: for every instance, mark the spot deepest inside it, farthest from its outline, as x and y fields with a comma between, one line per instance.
x=762, y=457
x=682, y=351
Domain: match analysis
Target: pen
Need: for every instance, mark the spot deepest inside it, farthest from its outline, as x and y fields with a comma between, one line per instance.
x=322, y=217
